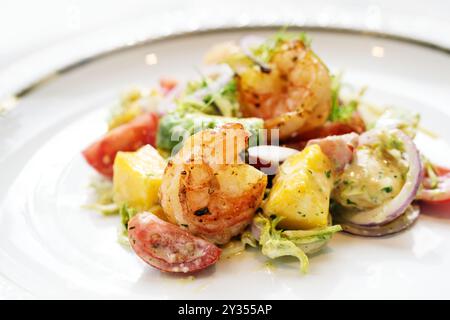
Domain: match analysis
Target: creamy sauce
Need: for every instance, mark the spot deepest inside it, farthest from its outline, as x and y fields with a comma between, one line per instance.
x=371, y=179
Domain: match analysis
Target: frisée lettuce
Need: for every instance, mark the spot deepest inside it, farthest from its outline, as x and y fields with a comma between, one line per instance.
x=297, y=243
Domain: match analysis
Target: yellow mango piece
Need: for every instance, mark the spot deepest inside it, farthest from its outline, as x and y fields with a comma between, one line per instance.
x=301, y=190
x=137, y=178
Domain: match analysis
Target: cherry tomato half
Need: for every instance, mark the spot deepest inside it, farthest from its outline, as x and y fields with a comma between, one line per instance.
x=127, y=137
x=169, y=248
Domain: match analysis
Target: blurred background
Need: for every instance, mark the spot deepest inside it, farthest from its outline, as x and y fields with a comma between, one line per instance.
x=28, y=26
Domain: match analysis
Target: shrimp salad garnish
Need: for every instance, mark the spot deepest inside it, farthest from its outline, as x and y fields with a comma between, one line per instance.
x=264, y=151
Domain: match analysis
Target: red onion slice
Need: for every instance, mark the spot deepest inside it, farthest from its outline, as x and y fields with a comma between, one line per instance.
x=394, y=208
x=247, y=44
x=168, y=103
x=256, y=230
x=403, y=222
x=267, y=158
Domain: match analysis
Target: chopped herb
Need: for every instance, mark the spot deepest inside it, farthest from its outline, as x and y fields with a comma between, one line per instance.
x=387, y=189
x=394, y=143
x=350, y=202
x=328, y=174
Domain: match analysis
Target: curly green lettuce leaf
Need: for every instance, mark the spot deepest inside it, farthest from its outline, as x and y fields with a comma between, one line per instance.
x=312, y=241
x=126, y=213
x=133, y=103
x=189, y=103
x=226, y=100
x=266, y=50
x=274, y=245
x=342, y=111
x=431, y=173
x=297, y=243
x=276, y=248
x=201, y=96
x=316, y=234
x=248, y=239
x=104, y=202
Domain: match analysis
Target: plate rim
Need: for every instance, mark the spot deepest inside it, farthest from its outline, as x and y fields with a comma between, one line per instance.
x=10, y=100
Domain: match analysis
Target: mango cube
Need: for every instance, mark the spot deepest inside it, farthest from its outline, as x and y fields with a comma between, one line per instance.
x=137, y=178
x=301, y=190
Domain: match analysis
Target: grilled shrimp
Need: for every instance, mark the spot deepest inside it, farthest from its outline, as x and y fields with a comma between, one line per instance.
x=208, y=190
x=293, y=93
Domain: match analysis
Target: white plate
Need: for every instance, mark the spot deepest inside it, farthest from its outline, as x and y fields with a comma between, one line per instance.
x=51, y=247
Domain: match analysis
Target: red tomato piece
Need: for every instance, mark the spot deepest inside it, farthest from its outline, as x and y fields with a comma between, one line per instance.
x=167, y=84
x=355, y=124
x=441, y=171
x=127, y=137
x=439, y=210
x=169, y=248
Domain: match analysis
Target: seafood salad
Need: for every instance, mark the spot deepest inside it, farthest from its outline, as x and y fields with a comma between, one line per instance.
x=264, y=149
